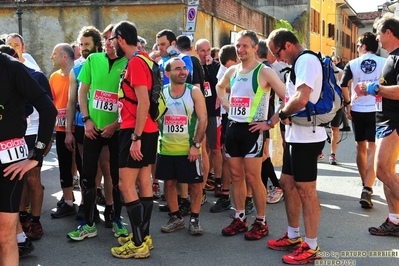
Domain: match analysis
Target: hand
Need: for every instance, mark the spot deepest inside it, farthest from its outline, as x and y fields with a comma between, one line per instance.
x=91, y=130
x=360, y=90
x=108, y=131
x=135, y=150
x=70, y=141
x=348, y=111
x=208, y=60
x=19, y=168
x=258, y=126
x=193, y=154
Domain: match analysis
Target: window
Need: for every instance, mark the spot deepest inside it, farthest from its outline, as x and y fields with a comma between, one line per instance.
x=331, y=31
x=323, y=28
x=315, y=21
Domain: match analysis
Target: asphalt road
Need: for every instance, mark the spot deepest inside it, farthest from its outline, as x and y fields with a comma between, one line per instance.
x=343, y=235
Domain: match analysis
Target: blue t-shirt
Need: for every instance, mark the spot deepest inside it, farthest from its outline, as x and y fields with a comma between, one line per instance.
x=187, y=61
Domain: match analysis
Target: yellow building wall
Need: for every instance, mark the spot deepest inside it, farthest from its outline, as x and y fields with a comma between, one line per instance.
x=318, y=42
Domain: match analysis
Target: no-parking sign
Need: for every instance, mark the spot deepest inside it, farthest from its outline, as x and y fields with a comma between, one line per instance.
x=191, y=18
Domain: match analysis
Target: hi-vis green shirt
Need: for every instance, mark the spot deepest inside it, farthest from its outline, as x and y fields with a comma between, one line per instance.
x=104, y=84
x=178, y=125
x=248, y=102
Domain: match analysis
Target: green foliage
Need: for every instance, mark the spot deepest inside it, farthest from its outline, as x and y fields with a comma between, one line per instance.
x=285, y=24
x=282, y=24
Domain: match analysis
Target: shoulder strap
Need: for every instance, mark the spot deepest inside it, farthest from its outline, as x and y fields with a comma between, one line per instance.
x=292, y=74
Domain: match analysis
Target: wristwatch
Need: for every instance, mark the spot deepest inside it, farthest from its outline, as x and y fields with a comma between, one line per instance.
x=270, y=123
x=376, y=89
x=85, y=118
x=282, y=115
x=135, y=137
x=40, y=145
x=197, y=145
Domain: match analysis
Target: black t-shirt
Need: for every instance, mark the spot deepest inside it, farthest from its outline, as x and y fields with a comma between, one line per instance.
x=211, y=98
x=17, y=87
x=390, y=76
x=198, y=74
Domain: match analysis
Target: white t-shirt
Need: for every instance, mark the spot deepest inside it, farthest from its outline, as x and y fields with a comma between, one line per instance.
x=307, y=71
x=219, y=76
x=366, y=68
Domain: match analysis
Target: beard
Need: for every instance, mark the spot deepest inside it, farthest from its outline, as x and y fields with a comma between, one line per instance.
x=119, y=52
x=86, y=53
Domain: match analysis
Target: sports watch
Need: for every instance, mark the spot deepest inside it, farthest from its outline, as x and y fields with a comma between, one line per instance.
x=270, y=123
x=135, y=137
x=197, y=145
x=85, y=118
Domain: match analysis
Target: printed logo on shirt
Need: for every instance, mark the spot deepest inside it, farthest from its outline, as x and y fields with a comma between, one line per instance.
x=368, y=66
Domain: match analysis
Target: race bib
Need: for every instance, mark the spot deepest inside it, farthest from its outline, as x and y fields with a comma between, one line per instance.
x=378, y=103
x=13, y=150
x=207, y=89
x=61, y=117
x=105, y=101
x=175, y=124
x=239, y=106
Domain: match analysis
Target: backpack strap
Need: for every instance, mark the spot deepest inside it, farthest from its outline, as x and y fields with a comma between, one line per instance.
x=149, y=63
x=292, y=74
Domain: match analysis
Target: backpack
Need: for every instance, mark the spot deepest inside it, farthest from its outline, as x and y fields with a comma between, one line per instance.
x=330, y=101
x=157, y=98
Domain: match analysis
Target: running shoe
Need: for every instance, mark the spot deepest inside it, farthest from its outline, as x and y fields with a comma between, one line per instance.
x=119, y=228
x=195, y=227
x=148, y=240
x=257, y=231
x=236, y=226
x=365, y=199
x=222, y=204
x=173, y=224
x=332, y=160
x=275, y=195
x=35, y=231
x=156, y=191
x=83, y=231
x=25, y=248
x=302, y=255
x=64, y=210
x=320, y=157
x=285, y=243
x=129, y=250
x=388, y=228
x=164, y=208
x=249, y=206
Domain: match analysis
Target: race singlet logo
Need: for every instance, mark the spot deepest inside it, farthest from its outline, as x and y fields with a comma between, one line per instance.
x=239, y=106
x=105, y=101
x=175, y=124
x=61, y=117
x=13, y=150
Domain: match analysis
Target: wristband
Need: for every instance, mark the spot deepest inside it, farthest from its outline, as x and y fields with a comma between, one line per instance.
x=372, y=88
x=347, y=103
